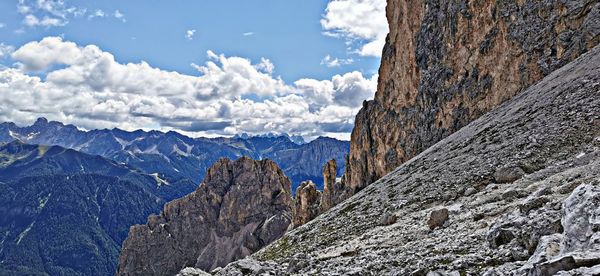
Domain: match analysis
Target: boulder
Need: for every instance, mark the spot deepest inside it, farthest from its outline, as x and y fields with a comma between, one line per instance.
x=437, y=218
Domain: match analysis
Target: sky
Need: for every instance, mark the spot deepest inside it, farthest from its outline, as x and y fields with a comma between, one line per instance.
x=203, y=68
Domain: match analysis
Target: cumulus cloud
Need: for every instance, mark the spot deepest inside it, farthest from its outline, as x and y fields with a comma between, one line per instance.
x=350, y=90
x=357, y=21
x=189, y=34
x=86, y=86
x=120, y=16
x=335, y=62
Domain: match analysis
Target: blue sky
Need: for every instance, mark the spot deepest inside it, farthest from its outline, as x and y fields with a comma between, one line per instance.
x=308, y=43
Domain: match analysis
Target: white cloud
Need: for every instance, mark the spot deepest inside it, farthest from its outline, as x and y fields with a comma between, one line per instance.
x=31, y=20
x=335, y=62
x=357, y=20
x=2, y=25
x=47, y=13
x=248, y=34
x=97, y=13
x=189, y=34
x=6, y=50
x=229, y=95
x=120, y=16
x=266, y=66
x=350, y=89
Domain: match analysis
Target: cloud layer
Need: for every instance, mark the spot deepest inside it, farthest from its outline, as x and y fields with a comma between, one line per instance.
x=358, y=20
x=86, y=86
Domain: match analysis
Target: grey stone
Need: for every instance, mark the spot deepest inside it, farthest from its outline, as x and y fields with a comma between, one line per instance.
x=437, y=218
x=508, y=174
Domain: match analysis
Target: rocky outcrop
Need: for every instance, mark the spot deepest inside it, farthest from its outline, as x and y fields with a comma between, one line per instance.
x=541, y=222
x=310, y=202
x=561, y=240
x=446, y=63
x=306, y=204
x=240, y=207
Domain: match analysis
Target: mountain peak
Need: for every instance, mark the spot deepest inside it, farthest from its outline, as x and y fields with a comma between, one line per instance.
x=296, y=139
x=253, y=200
x=40, y=121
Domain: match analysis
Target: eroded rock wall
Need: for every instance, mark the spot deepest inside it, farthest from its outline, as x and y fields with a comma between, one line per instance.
x=240, y=207
x=446, y=63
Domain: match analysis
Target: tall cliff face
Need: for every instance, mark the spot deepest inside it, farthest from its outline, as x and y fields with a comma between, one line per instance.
x=240, y=207
x=445, y=63
x=516, y=192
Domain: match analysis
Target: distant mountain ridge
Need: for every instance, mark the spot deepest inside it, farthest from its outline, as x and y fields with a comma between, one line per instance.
x=67, y=213
x=181, y=160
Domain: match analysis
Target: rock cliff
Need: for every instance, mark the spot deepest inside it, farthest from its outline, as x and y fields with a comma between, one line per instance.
x=240, y=207
x=446, y=63
x=515, y=192
x=306, y=203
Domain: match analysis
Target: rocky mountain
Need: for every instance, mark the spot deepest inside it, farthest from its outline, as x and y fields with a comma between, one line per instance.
x=240, y=207
x=66, y=212
x=180, y=160
x=515, y=192
x=446, y=63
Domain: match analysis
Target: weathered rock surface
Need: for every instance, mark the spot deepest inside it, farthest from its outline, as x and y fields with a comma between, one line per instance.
x=306, y=204
x=240, y=207
x=551, y=131
x=329, y=182
x=446, y=63
x=437, y=218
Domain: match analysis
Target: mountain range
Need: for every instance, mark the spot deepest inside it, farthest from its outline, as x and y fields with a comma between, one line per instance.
x=68, y=197
x=67, y=212
x=179, y=160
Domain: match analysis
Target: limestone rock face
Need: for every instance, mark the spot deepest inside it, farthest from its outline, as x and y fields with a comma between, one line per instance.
x=545, y=221
x=446, y=63
x=306, y=206
x=240, y=207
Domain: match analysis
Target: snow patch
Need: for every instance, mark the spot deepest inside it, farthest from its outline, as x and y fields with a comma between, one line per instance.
x=178, y=151
x=159, y=181
x=13, y=135
x=43, y=201
x=24, y=233
x=32, y=135
x=122, y=142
